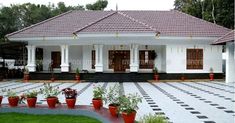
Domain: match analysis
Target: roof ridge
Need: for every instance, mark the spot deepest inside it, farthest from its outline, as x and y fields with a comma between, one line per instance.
x=177, y=11
x=94, y=22
x=49, y=19
x=135, y=20
x=216, y=41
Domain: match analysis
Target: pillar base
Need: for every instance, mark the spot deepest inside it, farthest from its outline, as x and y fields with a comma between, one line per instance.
x=99, y=68
x=31, y=67
x=134, y=68
x=64, y=68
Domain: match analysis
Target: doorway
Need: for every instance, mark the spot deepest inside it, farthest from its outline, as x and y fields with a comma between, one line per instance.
x=119, y=60
x=56, y=59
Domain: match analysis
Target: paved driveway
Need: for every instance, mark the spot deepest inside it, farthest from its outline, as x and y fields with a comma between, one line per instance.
x=180, y=102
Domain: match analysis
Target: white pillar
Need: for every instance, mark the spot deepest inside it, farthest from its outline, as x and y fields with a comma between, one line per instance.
x=64, y=58
x=98, y=58
x=134, y=59
x=31, y=58
x=230, y=63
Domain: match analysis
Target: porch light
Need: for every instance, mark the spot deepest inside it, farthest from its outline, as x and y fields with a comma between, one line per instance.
x=116, y=34
x=157, y=35
x=75, y=36
x=146, y=47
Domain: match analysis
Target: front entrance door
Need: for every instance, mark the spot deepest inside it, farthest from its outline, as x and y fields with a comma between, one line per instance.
x=119, y=60
x=56, y=59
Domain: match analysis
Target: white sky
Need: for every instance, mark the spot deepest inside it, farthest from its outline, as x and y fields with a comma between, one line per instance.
x=122, y=4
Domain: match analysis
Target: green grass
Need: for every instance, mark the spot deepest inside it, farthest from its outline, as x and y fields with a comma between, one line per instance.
x=29, y=118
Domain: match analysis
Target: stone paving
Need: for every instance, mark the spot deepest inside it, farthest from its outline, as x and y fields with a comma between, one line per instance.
x=180, y=102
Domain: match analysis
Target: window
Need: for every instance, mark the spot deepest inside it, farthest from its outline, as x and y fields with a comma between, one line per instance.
x=93, y=59
x=194, y=58
x=146, y=58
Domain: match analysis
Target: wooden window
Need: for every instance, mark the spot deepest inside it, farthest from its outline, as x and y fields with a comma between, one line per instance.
x=93, y=59
x=194, y=58
x=146, y=59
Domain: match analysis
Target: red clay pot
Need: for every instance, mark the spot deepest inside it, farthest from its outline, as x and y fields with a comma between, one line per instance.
x=52, y=79
x=97, y=103
x=71, y=103
x=26, y=77
x=129, y=118
x=211, y=76
x=113, y=109
x=31, y=102
x=77, y=78
x=51, y=101
x=13, y=101
x=182, y=78
x=156, y=77
x=1, y=97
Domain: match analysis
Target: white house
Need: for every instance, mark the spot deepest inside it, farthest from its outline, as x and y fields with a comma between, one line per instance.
x=228, y=40
x=124, y=41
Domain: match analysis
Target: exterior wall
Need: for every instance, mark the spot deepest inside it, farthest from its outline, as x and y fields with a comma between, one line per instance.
x=87, y=56
x=230, y=62
x=47, y=55
x=176, y=58
x=75, y=56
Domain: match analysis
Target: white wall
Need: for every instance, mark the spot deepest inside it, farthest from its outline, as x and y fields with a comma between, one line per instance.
x=47, y=55
x=176, y=58
x=87, y=56
x=230, y=62
x=75, y=56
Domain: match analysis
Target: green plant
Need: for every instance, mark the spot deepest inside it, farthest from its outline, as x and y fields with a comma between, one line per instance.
x=150, y=118
x=155, y=70
x=113, y=95
x=211, y=70
x=129, y=103
x=11, y=94
x=49, y=91
x=77, y=72
x=32, y=94
x=26, y=70
x=98, y=92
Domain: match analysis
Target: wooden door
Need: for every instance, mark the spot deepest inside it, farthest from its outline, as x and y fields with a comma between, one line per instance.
x=56, y=59
x=121, y=60
x=118, y=63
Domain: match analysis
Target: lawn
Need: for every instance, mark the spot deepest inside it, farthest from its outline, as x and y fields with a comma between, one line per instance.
x=29, y=118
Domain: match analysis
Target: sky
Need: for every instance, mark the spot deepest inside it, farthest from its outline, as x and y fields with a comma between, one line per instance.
x=122, y=4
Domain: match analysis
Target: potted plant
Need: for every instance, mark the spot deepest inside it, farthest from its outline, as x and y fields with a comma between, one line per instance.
x=77, y=76
x=112, y=97
x=211, y=74
x=1, y=96
x=128, y=107
x=50, y=94
x=13, y=99
x=182, y=77
x=98, y=96
x=26, y=74
x=153, y=119
x=70, y=96
x=31, y=98
x=156, y=75
x=52, y=75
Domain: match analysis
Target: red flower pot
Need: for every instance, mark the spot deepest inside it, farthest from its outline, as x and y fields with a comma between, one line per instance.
x=71, y=103
x=77, y=78
x=211, y=76
x=97, y=103
x=52, y=79
x=1, y=99
x=31, y=102
x=51, y=101
x=113, y=109
x=182, y=78
x=156, y=77
x=13, y=101
x=129, y=118
x=26, y=77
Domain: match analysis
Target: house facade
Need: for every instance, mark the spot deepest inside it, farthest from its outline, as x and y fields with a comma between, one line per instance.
x=123, y=41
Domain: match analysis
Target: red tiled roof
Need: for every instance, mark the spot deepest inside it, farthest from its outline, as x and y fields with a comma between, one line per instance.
x=168, y=23
x=226, y=38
